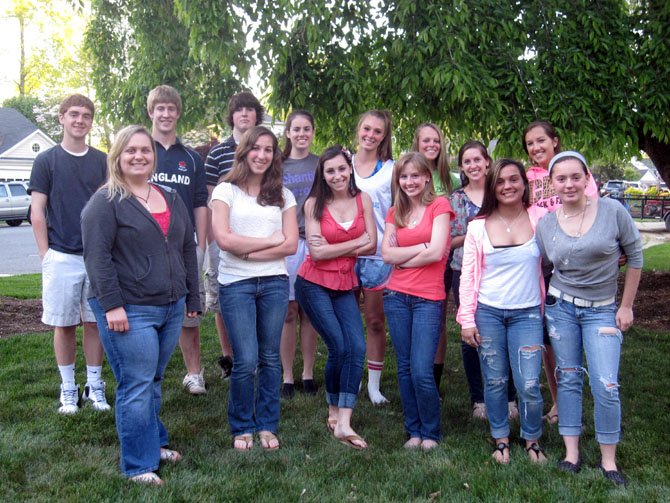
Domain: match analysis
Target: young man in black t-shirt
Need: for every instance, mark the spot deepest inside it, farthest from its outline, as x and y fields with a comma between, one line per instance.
x=62, y=180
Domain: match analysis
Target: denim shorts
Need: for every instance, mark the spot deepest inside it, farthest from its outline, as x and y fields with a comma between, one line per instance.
x=373, y=274
x=293, y=263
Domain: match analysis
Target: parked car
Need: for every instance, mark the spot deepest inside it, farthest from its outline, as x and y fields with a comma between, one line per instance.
x=635, y=185
x=14, y=203
x=613, y=188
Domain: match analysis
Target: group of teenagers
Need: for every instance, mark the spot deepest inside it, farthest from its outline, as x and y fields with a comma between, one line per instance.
x=532, y=257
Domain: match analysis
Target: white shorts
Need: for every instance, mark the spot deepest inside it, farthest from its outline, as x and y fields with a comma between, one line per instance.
x=212, y=278
x=195, y=322
x=65, y=290
x=293, y=263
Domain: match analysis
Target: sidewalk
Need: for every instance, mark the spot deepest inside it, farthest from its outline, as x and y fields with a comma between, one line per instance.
x=653, y=233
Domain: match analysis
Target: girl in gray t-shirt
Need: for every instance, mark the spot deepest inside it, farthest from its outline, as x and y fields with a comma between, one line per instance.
x=583, y=240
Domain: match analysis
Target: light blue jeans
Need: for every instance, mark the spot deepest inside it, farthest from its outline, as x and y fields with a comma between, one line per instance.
x=253, y=311
x=414, y=325
x=138, y=359
x=575, y=331
x=511, y=338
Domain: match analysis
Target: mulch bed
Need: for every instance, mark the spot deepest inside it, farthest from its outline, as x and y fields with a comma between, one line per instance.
x=18, y=316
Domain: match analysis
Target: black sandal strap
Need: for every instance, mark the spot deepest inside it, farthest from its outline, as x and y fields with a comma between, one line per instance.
x=501, y=446
x=535, y=448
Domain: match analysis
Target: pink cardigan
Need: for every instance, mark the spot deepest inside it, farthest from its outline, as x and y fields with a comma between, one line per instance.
x=473, y=264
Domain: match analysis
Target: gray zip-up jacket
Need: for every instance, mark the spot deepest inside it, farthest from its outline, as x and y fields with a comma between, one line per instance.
x=129, y=260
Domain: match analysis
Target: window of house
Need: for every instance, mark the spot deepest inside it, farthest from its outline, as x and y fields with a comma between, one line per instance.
x=36, y=147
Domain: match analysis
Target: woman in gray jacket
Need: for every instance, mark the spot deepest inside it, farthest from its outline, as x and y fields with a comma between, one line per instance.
x=140, y=257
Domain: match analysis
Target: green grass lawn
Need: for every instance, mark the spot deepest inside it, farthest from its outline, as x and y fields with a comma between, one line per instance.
x=45, y=456
x=657, y=258
x=25, y=286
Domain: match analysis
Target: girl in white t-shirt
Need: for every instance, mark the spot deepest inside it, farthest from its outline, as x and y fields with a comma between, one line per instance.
x=254, y=223
x=373, y=170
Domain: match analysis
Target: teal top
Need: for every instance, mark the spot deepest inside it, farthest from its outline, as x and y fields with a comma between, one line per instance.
x=439, y=187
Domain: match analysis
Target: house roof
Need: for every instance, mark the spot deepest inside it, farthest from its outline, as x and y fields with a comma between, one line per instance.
x=14, y=127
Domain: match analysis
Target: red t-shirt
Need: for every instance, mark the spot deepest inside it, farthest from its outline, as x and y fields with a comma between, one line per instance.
x=427, y=281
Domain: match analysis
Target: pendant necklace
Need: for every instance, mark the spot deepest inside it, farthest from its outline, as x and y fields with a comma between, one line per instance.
x=508, y=225
x=575, y=238
x=145, y=200
x=566, y=216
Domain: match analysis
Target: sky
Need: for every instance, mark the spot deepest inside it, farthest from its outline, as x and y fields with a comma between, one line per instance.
x=38, y=32
x=9, y=57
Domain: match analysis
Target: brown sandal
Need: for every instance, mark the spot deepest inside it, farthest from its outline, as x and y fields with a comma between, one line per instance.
x=247, y=439
x=267, y=437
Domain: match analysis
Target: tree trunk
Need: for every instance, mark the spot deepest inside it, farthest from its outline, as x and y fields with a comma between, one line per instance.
x=658, y=152
x=22, y=62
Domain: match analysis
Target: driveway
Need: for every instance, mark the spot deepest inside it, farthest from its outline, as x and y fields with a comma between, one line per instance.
x=18, y=251
x=653, y=233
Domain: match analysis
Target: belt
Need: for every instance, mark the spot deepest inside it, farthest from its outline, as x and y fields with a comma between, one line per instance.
x=577, y=301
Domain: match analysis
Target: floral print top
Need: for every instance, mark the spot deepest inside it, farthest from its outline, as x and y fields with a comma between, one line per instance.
x=465, y=211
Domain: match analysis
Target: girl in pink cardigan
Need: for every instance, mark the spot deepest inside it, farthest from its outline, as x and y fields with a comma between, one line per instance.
x=501, y=294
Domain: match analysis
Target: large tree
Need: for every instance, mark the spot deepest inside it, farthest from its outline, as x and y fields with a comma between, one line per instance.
x=138, y=44
x=599, y=70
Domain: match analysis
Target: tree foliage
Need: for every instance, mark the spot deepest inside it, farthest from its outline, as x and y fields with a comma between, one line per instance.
x=138, y=44
x=599, y=70
x=44, y=114
x=50, y=57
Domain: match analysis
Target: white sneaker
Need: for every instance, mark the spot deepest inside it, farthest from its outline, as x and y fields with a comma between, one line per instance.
x=195, y=383
x=479, y=411
x=69, y=399
x=513, y=410
x=96, y=395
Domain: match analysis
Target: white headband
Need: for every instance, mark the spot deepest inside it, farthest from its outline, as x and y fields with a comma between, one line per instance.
x=563, y=155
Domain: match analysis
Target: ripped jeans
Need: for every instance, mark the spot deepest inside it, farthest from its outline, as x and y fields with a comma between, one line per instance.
x=575, y=331
x=511, y=338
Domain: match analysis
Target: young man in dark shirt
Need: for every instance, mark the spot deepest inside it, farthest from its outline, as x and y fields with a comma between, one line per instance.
x=182, y=169
x=62, y=181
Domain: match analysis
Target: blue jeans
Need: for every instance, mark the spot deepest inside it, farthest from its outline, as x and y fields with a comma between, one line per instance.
x=336, y=317
x=470, y=357
x=592, y=330
x=511, y=338
x=138, y=359
x=414, y=326
x=253, y=311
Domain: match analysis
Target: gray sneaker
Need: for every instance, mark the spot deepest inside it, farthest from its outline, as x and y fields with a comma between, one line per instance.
x=69, y=399
x=195, y=383
x=96, y=395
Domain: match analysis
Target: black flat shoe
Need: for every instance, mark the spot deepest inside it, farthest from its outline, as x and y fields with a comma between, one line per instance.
x=287, y=390
x=567, y=466
x=308, y=387
x=614, y=476
x=226, y=364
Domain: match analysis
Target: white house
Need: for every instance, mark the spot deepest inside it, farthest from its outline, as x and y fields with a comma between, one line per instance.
x=20, y=142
